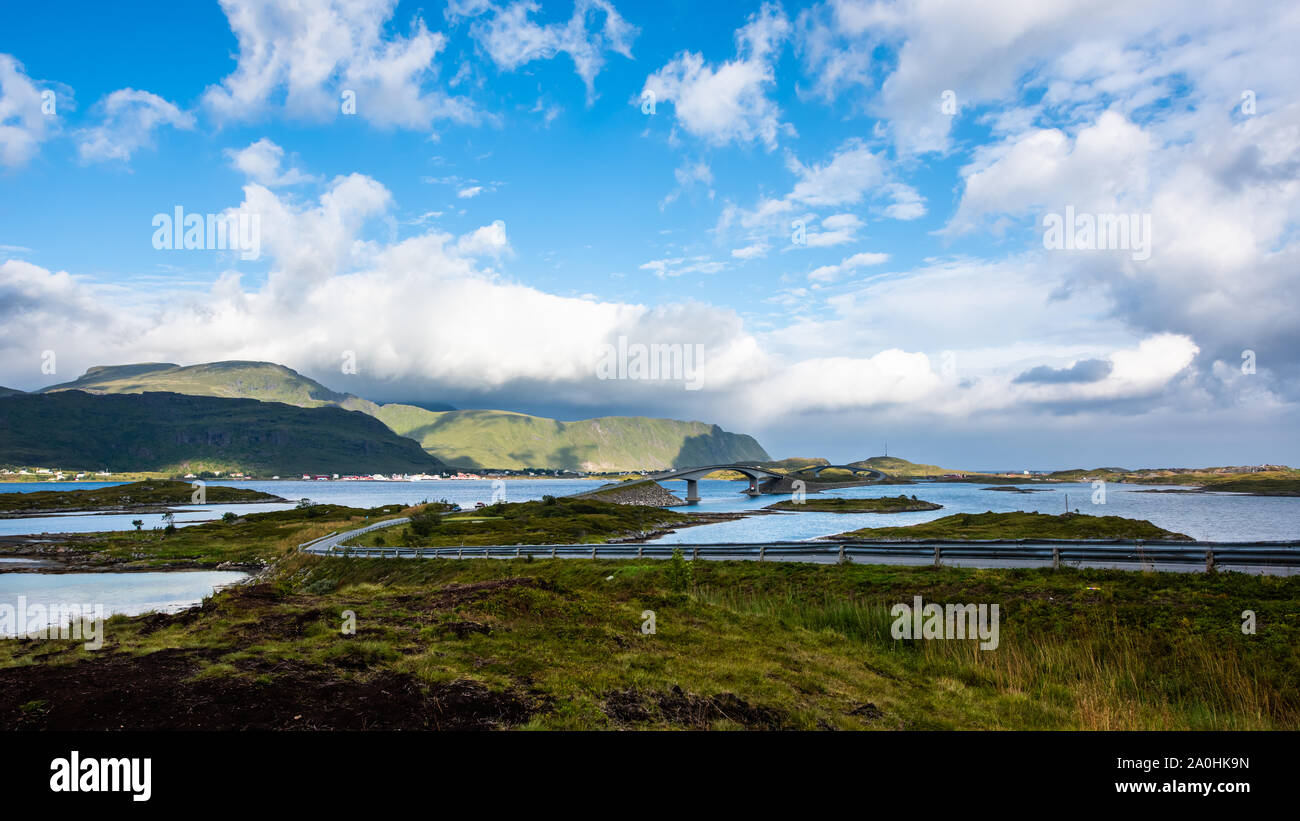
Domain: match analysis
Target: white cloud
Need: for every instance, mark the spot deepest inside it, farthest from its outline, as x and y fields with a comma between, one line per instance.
x=677, y=266
x=831, y=273
x=512, y=39
x=1100, y=170
x=728, y=103
x=129, y=119
x=469, y=192
x=755, y=251
x=488, y=240
x=853, y=175
x=23, y=125
x=261, y=161
x=307, y=60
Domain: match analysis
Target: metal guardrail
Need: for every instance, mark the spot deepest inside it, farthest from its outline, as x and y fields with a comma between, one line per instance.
x=1212, y=554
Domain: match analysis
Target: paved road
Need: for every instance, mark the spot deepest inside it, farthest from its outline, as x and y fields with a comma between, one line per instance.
x=1260, y=557
x=327, y=544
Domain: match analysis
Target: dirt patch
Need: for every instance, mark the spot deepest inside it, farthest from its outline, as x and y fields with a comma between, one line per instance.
x=158, y=692
x=868, y=711
x=676, y=707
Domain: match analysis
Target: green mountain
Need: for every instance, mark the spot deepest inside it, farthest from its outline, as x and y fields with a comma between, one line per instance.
x=501, y=439
x=172, y=432
x=9, y=391
x=264, y=381
x=472, y=439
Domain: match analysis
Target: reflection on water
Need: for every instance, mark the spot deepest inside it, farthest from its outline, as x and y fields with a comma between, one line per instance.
x=127, y=594
x=1217, y=516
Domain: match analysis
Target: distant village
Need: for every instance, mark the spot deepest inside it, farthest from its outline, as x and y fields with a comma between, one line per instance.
x=44, y=474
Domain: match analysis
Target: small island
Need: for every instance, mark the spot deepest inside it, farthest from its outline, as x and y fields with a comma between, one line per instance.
x=136, y=497
x=1019, y=525
x=887, y=504
x=550, y=520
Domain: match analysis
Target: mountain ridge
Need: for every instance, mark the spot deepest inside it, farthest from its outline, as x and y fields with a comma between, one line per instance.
x=174, y=432
x=474, y=438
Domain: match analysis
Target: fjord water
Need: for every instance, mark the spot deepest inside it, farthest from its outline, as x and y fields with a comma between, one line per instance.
x=128, y=594
x=1206, y=516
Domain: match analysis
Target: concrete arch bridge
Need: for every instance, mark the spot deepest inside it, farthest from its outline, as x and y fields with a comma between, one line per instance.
x=761, y=480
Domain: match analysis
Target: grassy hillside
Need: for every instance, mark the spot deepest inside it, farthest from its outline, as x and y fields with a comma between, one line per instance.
x=264, y=381
x=9, y=391
x=178, y=433
x=901, y=467
x=794, y=463
x=473, y=439
x=501, y=439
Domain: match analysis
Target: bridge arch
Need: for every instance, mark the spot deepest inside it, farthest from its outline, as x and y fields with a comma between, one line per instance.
x=856, y=470
x=693, y=475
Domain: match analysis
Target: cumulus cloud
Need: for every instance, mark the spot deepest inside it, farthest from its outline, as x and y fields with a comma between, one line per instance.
x=729, y=102
x=23, y=123
x=310, y=61
x=424, y=312
x=261, y=161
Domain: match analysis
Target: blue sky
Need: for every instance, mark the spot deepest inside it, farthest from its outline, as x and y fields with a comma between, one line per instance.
x=502, y=205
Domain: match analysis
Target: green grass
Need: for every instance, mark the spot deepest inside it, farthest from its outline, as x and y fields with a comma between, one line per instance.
x=176, y=433
x=264, y=381
x=561, y=521
x=135, y=494
x=514, y=441
x=759, y=645
x=1019, y=525
x=1258, y=483
x=902, y=467
x=255, y=538
x=886, y=504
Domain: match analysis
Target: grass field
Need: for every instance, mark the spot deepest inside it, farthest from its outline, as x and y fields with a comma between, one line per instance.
x=560, y=645
x=564, y=644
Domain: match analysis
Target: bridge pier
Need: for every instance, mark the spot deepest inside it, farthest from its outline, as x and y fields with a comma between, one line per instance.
x=753, y=486
x=692, y=491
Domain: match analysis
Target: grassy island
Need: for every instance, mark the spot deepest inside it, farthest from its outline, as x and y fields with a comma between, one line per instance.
x=550, y=520
x=886, y=504
x=1019, y=525
x=155, y=494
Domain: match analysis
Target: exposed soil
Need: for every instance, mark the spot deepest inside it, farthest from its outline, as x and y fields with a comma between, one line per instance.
x=632, y=706
x=153, y=692
x=159, y=690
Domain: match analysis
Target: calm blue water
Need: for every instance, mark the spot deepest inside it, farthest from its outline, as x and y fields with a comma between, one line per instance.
x=128, y=594
x=354, y=494
x=1218, y=516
